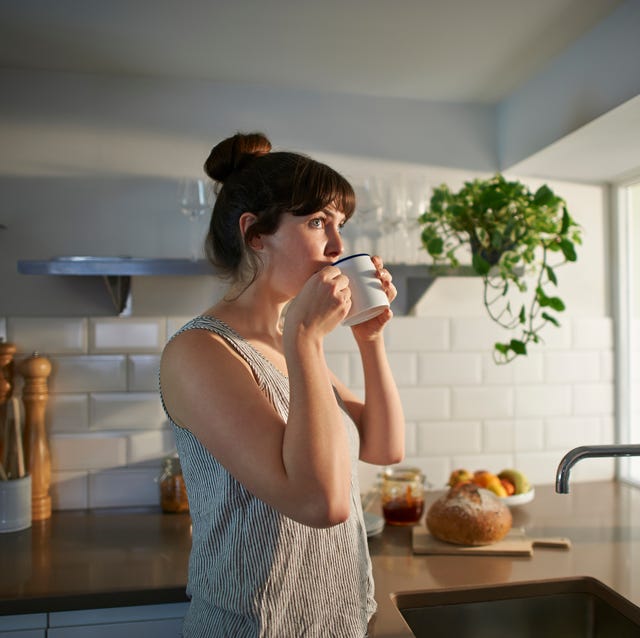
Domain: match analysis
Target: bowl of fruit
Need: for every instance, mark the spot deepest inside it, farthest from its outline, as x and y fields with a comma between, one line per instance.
x=512, y=486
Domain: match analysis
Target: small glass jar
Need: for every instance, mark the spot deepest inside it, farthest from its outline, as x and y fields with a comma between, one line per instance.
x=173, y=493
x=402, y=495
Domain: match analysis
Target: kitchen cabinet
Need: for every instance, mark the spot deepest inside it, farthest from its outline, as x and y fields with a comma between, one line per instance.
x=141, y=621
x=23, y=626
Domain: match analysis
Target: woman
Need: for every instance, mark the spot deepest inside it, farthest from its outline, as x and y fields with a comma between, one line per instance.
x=267, y=436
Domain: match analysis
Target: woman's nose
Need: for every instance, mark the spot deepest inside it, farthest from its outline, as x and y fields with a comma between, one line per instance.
x=335, y=245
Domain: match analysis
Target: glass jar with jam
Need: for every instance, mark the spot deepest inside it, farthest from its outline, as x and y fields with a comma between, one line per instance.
x=173, y=493
x=402, y=495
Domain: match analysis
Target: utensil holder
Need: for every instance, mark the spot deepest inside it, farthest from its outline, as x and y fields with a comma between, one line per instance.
x=15, y=504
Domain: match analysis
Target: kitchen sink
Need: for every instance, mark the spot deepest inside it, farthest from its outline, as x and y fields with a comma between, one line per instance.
x=559, y=608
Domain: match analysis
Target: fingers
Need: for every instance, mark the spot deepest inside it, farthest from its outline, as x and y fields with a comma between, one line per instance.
x=385, y=277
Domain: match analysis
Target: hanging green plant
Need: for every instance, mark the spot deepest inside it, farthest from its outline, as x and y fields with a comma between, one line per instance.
x=515, y=237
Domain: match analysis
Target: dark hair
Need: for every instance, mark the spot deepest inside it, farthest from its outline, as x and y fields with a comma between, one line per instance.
x=252, y=179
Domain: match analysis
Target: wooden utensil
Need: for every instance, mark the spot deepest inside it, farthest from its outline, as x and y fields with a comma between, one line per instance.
x=7, y=350
x=514, y=544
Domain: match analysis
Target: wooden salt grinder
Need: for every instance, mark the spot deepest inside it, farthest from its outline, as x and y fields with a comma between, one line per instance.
x=35, y=393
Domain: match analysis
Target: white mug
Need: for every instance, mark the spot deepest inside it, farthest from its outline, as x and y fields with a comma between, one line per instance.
x=368, y=299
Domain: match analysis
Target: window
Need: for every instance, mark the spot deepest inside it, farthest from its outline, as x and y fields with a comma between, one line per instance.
x=627, y=303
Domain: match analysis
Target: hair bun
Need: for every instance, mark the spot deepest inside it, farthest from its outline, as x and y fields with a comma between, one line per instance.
x=231, y=154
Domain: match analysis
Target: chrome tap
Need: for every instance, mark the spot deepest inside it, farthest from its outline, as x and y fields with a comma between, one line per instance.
x=588, y=451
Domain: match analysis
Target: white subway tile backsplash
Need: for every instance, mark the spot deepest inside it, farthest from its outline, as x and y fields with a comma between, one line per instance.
x=69, y=490
x=435, y=468
x=87, y=451
x=450, y=368
x=555, y=337
x=125, y=411
x=418, y=334
x=340, y=340
x=338, y=363
x=540, y=467
x=118, y=334
x=425, y=403
x=607, y=366
x=89, y=373
x=523, y=369
x=411, y=438
x=404, y=366
x=449, y=437
x=149, y=446
x=570, y=432
x=68, y=413
x=108, y=431
x=482, y=402
x=567, y=367
x=142, y=372
x=594, y=398
x=49, y=335
x=513, y=435
x=475, y=334
x=593, y=334
x=491, y=462
x=596, y=469
x=608, y=429
x=174, y=324
x=124, y=488
x=543, y=400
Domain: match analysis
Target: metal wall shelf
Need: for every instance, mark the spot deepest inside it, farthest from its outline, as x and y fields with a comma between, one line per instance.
x=411, y=280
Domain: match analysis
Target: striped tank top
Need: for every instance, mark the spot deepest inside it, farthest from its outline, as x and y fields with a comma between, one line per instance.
x=254, y=572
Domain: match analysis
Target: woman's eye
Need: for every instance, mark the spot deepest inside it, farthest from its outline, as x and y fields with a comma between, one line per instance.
x=317, y=222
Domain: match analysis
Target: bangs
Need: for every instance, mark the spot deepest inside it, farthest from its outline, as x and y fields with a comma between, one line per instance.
x=317, y=186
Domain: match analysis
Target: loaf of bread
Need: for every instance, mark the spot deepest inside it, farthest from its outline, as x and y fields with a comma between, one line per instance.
x=469, y=515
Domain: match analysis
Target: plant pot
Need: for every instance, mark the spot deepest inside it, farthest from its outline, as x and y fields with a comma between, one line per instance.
x=15, y=504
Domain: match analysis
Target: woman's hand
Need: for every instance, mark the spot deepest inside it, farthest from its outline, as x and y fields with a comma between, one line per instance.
x=373, y=327
x=323, y=302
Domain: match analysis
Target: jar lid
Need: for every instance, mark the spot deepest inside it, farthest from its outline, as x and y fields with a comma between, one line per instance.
x=171, y=464
x=403, y=473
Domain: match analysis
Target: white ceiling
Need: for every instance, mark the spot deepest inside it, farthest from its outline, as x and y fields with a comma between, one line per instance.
x=445, y=50
x=469, y=51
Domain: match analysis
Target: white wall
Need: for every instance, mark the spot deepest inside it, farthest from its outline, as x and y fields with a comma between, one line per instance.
x=596, y=74
x=89, y=166
x=108, y=432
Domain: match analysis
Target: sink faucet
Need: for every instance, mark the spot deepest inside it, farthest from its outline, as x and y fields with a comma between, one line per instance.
x=588, y=451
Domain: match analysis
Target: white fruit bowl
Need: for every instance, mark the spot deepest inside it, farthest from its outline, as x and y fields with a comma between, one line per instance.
x=520, y=499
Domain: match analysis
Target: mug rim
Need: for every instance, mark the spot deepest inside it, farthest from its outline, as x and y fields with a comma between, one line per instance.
x=335, y=263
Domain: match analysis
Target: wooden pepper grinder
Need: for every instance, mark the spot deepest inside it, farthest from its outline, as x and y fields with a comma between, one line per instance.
x=36, y=370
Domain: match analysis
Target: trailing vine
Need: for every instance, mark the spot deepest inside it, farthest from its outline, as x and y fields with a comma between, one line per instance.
x=514, y=236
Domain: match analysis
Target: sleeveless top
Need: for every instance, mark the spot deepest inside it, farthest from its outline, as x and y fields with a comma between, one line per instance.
x=254, y=572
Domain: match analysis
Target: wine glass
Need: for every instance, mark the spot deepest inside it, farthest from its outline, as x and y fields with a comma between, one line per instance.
x=369, y=215
x=196, y=199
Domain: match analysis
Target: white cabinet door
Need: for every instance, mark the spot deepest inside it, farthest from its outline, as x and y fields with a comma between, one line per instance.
x=147, y=621
x=23, y=626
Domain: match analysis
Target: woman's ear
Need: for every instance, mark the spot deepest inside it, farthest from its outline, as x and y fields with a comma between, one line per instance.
x=245, y=221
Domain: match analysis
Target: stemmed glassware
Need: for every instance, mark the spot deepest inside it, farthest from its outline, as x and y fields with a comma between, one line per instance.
x=386, y=220
x=196, y=200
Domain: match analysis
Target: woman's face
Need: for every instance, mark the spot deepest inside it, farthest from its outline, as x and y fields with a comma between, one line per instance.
x=301, y=247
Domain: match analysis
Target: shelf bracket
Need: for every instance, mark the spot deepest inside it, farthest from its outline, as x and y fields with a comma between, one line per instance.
x=119, y=289
x=412, y=281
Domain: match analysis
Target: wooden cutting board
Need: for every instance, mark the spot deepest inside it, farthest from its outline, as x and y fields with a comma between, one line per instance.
x=515, y=543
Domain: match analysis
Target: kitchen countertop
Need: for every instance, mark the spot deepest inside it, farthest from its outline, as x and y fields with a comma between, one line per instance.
x=104, y=558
